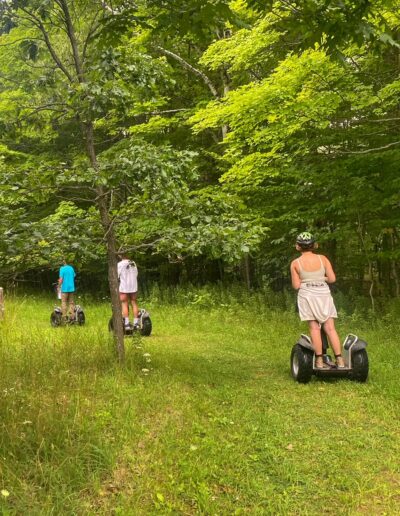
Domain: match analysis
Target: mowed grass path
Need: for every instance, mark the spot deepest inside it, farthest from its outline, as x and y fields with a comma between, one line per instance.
x=215, y=426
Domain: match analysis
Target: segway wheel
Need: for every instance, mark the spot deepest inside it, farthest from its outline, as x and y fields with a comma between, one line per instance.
x=55, y=319
x=147, y=326
x=301, y=364
x=81, y=318
x=360, y=366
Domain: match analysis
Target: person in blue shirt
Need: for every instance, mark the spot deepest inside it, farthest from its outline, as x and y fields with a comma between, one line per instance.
x=66, y=283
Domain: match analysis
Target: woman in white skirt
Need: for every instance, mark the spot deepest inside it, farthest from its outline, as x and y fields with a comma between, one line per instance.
x=128, y=286
x=310, y=275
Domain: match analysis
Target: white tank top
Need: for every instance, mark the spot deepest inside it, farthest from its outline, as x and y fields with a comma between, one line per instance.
x=318, y=275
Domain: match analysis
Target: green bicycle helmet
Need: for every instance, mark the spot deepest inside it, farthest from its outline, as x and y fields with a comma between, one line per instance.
x=305, y=240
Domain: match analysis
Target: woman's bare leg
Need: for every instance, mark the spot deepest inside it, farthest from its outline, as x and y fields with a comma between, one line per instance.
x=135, y=307
x=316, y=339
x=330, y=330
x=315, y=334
x=124, y=304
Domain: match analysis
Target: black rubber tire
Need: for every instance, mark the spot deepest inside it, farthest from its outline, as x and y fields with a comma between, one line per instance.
x=360, y=365
x=147, y=326
x=301, y=364
x=81, y=318
x=55, y=319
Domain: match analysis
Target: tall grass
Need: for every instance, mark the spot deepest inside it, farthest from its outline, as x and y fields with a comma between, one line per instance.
x=202, y=419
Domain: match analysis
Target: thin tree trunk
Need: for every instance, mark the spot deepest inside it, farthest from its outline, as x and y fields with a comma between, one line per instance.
x=111, y=248
x=246, y=267
x=371, y=288
x=226, y=81
x=394, y=268
x=370, y=266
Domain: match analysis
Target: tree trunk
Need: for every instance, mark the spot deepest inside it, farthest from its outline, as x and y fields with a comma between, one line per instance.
x=226, y=84
x=109, y=236
x=246, y=271
x=226, y=81
x=360, y=230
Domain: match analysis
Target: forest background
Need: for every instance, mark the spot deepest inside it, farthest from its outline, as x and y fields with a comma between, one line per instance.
x=200, y=137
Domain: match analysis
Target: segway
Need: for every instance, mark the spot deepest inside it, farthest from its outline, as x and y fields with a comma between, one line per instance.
x=302, y=359
x=78, y=317
x=144, y=326
x=56, y=318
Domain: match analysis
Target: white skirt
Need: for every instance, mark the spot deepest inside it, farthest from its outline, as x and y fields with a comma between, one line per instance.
x=315, y=302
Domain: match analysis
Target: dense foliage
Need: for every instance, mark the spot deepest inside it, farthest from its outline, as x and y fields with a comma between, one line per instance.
x=221, y=129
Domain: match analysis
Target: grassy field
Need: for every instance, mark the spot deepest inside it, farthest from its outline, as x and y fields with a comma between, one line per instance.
x=203, y=418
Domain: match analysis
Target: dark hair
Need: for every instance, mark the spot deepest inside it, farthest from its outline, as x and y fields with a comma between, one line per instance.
x=306, y=247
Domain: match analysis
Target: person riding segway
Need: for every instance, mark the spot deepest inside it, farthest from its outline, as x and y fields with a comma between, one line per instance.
x=128, y=287
x=69, y=313
x=310, y=275
x=66, y=283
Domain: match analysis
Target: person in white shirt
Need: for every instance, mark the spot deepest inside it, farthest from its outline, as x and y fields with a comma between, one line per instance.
x=128, y=286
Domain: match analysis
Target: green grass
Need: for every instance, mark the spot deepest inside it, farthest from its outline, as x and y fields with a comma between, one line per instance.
x=215, y=426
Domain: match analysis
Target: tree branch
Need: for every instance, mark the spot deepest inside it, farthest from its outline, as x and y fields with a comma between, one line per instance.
x=38, y=23
x=18, y=40
x=191, y=68
x=163, y=112
x=5, y=78
x=372, y=150
x=291, y=7
x=91, y=32
x=381, y=120
x=144, y=245
x=47, y=107
x=72, y=38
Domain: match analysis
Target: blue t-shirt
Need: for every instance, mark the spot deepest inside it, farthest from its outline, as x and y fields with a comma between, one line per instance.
x=67, y=274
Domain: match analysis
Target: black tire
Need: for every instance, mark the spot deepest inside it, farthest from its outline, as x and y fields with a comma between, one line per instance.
x=301, y=364
x=55, y=319
x=81, y=318
x=360, y=365
x=147, y=326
